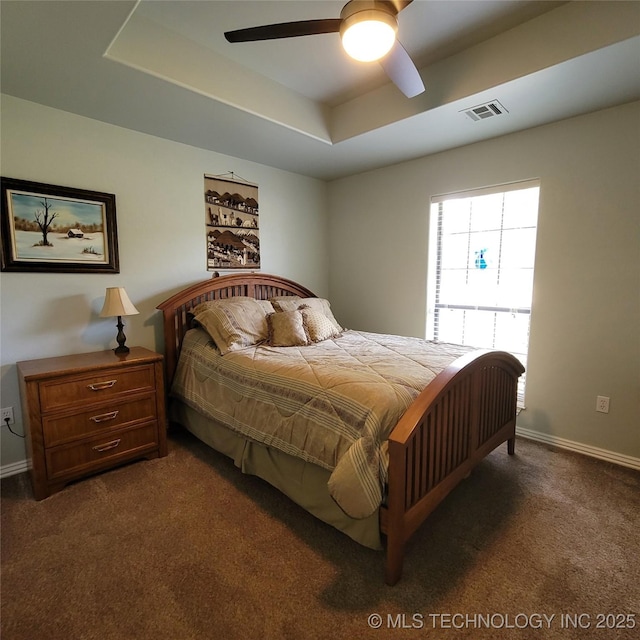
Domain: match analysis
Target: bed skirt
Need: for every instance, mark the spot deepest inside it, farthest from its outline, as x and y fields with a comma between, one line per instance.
x=302, y=482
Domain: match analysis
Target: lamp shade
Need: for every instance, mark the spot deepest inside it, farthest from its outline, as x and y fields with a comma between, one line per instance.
x=117, y=303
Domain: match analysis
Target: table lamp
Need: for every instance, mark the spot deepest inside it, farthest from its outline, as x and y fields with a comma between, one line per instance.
x=117, y=303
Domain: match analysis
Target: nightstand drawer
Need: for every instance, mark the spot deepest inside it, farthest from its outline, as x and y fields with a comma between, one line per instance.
x=104, y=451
x=95, y=387
x=60, y=428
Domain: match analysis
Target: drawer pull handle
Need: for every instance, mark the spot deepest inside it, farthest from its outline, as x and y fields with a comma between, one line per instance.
x=105, y=416
x=107, y=445
x=99, y=386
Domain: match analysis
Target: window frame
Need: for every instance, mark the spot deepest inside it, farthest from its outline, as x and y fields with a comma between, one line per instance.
x=435, y=259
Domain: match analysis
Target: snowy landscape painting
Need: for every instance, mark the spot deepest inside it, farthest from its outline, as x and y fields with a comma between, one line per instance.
x=232, y=225
x=49, y=228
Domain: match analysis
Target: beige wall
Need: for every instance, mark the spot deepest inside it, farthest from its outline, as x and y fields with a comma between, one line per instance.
x=160, y=214
x=369, y=255
x=585, y=338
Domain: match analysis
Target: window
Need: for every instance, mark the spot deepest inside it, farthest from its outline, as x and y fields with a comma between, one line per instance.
x=482, y=253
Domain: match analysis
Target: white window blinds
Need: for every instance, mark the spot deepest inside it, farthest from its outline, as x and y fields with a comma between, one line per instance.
x=482, y=255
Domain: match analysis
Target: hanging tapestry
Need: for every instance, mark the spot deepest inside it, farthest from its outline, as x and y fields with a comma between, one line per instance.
x=231, y=219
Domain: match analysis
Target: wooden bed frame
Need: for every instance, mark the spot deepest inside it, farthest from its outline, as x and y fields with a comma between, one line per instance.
x=462, y=415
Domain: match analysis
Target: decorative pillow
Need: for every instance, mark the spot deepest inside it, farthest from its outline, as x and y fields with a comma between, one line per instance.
x=324, y=307
x=290, y=303
x=233, y=323
x=317, y=325
x=286, y=329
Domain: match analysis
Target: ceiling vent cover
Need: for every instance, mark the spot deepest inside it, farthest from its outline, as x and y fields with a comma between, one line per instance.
x=484, y=111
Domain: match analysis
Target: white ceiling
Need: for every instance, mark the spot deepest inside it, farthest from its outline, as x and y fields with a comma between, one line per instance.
x=301, y=104
x=317, y=66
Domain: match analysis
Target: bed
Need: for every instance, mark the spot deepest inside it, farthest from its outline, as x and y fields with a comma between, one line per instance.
x=377, y=485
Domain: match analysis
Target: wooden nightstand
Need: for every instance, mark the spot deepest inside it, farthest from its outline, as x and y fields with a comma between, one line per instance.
x=89, y=412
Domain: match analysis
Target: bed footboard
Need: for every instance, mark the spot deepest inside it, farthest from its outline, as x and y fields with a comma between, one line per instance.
x=465, y=413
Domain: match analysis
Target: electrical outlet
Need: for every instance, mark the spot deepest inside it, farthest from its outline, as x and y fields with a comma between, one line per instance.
x=7, y=412
x=602, y=404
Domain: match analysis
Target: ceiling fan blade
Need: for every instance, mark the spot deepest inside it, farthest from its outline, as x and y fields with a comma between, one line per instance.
x=284, y=30
x=400, y=68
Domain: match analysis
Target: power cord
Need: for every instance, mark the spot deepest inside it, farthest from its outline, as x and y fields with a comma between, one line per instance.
x=12, y=431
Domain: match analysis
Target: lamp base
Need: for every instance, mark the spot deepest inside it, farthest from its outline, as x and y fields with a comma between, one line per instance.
x=121, y=338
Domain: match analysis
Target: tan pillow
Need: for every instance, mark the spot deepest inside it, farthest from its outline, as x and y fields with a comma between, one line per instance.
x=317, y=325
x=324, y=307
x=286, y=329
x=267, y=306
x=285, y=303
x=233, y=323
x=290, y=303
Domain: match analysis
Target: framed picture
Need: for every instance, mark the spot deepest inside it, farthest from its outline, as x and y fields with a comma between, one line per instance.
x=47, y=228
x=231, y=223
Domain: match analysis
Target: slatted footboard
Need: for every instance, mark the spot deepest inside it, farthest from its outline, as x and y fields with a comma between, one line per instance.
x=465, y=413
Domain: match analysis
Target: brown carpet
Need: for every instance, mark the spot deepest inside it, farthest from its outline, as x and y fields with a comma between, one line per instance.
x=186, y=547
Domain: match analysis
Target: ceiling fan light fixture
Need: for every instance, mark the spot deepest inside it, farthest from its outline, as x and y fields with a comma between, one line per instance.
x=368, y=32
x=368, y=35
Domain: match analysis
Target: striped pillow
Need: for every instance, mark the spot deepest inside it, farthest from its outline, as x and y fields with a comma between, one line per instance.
x=234, y=323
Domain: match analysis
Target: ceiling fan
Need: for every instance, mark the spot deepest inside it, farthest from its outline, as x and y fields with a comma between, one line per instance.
x=368, y=31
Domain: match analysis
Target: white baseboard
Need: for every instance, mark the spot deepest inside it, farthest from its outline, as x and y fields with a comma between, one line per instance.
x=585, y=449
x=578, y=447
x=13, y=468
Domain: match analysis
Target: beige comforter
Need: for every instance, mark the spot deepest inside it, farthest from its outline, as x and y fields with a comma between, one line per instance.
x=333, y=403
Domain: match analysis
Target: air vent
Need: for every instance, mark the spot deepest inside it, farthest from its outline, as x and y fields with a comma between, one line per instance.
x=485, y=111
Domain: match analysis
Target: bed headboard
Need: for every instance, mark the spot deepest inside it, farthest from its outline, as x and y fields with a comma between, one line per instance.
x=175, y=309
